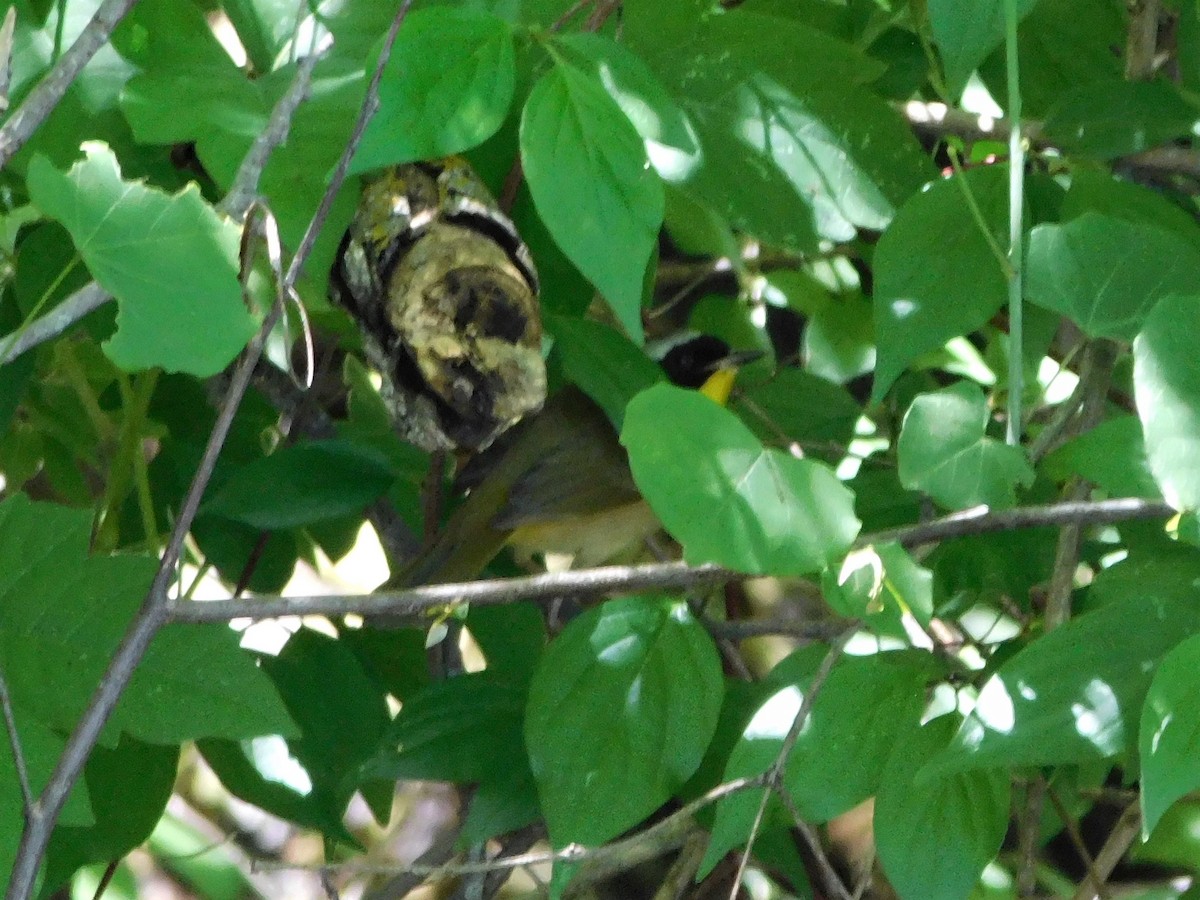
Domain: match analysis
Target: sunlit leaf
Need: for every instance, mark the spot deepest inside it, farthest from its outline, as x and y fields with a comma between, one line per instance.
x=1106, y=274
x=170, y=261
x=593, y=185
x=446, y=88
x=922, y=299
x=724, y=496
x=1167, y=386
x=1169, y=740
x=945, y=451
x=1074, y=695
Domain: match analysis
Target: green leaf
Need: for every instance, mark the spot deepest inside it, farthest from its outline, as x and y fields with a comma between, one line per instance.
x=466, y=729
x=1119, y=118
x=303, y=483
x=965, y=33
x=753, y=754
x=1169, y=738
x=944, y=451
x=1060, y=50
x=1112, y=456
x=1106, y=274
x=593, y=186
x=934, y=839
x=882, y=580
x=669, y=137
x=194, y=680
x=129, y=787
x=620, y=712
x=1075, y=694
x=170, y=261
x=868, y=703
x=174, y=45
x=342, y=714
x=725, y=497
x=1100, y=192
x=263, y=26
x=263, y=772
x=501, y=807
x=1167, y=388
x=922, y=299
x=812, y=411
x=790, y=149
x=446, y=88
x=605, y=364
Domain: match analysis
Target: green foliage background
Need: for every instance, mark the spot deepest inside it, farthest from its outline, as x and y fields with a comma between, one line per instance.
x=764, y=157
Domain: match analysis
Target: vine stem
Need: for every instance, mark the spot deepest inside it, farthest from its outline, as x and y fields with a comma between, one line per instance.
x=1016, y=225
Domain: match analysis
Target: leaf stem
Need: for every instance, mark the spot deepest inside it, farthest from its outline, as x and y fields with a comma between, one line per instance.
x=1016, y=225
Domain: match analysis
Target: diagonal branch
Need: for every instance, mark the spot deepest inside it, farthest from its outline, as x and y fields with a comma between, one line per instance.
x=40, y=102
x=156, y=608
x=14, y=743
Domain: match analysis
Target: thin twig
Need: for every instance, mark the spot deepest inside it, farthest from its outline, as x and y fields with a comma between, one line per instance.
x=88, y=298
x=616, y=856
x=798, y=630
x=40, y=102
x=594, y=582
x=1119, y=840
x=14, y=743
x=156, y=608
x=1029, y=820
x=936, y=120
x=1141, y=42
x=1072, y=828
x=561, y=22
x=1095, y=374
x=1016, y=210
x=833, y=881
x=418, y=602
x=980, y=520
x=774, y=775
x=245, y=184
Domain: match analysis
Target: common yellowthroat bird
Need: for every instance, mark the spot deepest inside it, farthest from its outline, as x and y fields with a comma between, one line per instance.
x=560, y=482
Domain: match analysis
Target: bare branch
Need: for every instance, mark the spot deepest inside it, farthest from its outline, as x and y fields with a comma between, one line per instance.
x=980, y=520
x=774, y=776
x=14, y=743
x=417, y=602
x=156, y=608
x=1119, y=840
x=41, y=101
x=935, y=120
x=245, y=184
x=54, y=323
x=597, y=862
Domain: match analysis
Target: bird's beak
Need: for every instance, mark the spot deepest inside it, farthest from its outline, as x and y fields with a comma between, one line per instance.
x=735, y=359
